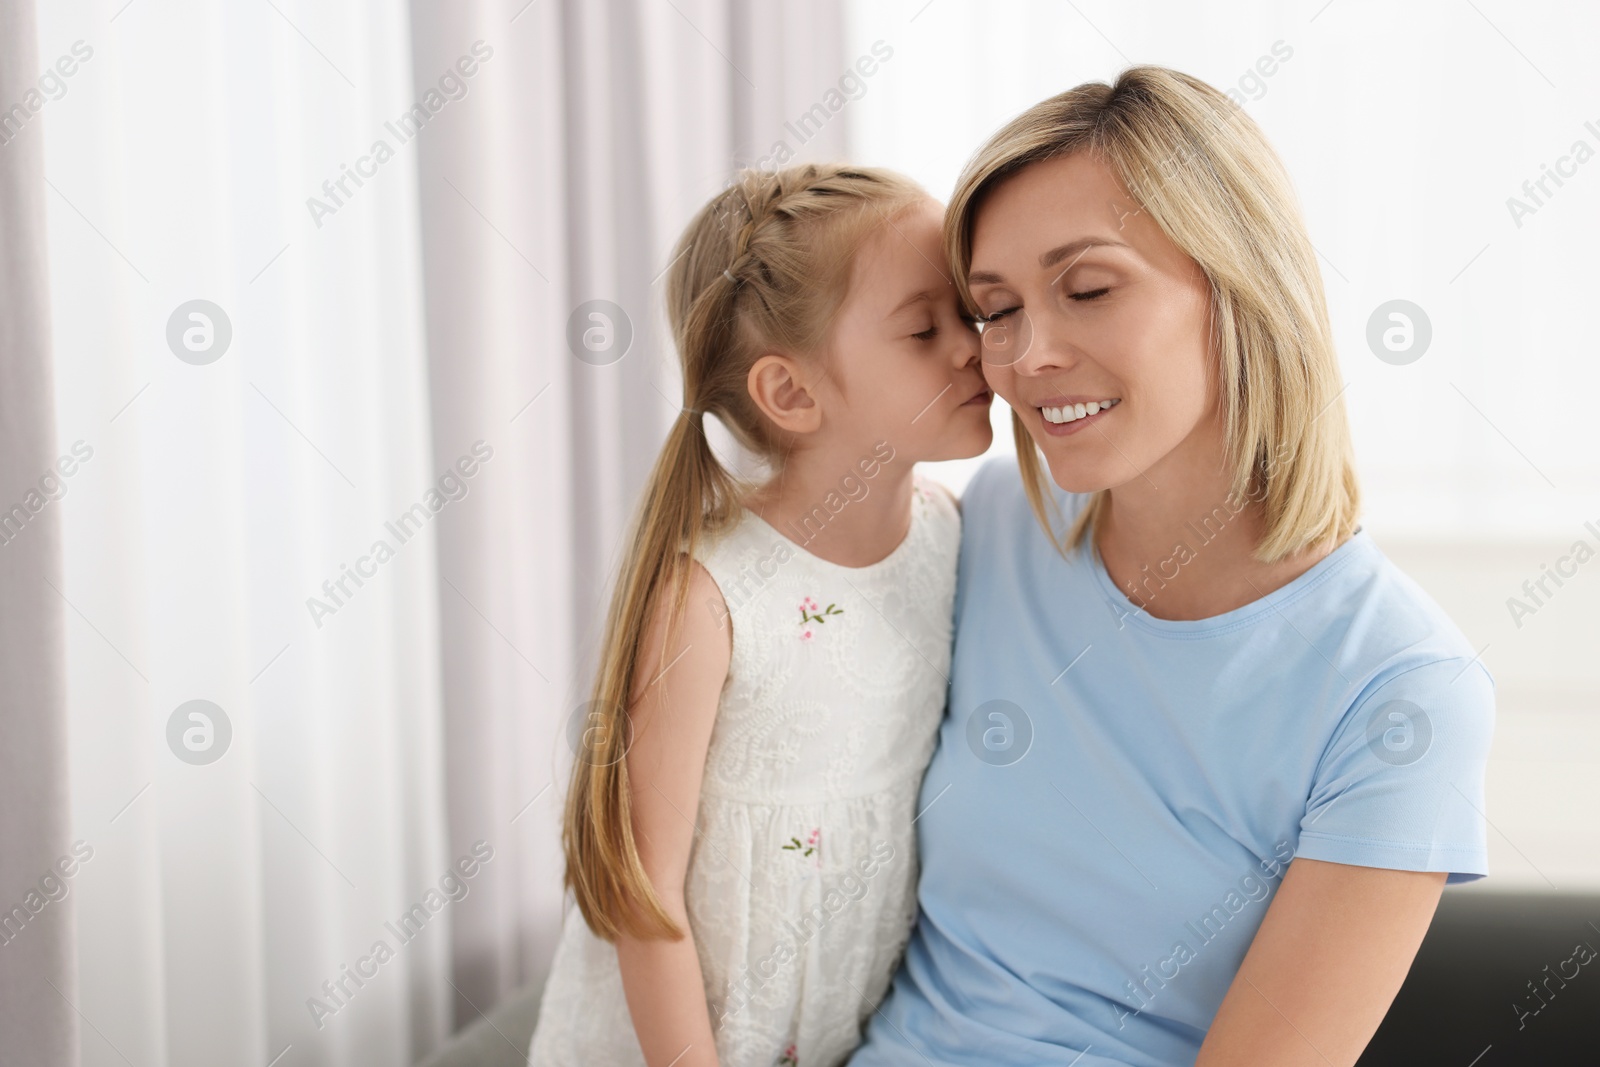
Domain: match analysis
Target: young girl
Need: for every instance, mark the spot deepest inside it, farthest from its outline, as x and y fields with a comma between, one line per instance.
x=738, y=831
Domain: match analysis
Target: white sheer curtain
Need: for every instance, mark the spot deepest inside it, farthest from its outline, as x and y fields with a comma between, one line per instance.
x=36, y=945
x=216, y=494
x=338, y=475
x=594, y=134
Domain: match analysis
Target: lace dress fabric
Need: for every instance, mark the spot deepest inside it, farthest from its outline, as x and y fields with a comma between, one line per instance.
x=801, y=886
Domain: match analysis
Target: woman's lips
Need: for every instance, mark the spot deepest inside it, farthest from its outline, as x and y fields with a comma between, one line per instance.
x=1061, y=418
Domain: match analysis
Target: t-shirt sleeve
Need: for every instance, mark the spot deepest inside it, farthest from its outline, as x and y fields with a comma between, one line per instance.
x=1400, y=785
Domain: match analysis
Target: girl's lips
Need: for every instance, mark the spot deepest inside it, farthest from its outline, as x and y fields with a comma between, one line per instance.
x=983, y=398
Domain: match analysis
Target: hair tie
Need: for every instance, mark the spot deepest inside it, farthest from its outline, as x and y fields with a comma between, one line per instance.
x=730, y=277
x=690, y=411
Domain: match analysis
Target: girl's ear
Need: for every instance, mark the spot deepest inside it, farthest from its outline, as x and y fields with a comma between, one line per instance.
x=778, y=385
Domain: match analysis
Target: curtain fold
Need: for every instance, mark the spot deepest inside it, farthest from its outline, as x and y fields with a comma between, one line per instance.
x=328, y=495
x=253, y=685
x=38, y=972
x=594, y=133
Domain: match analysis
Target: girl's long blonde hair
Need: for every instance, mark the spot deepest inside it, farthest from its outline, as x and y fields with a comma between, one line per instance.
x=762, y=268
x=1206, y=175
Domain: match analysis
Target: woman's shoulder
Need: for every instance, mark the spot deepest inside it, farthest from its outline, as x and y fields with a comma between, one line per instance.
x=1393, y=628
x=996, y=511
x=1391, y=601
x=998, y=475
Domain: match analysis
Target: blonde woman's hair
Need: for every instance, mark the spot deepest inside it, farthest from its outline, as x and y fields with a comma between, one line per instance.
x=1205, y=173
x=763, y=267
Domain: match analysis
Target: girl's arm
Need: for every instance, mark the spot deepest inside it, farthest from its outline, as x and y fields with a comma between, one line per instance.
x=673, y=709
x=1324, y=967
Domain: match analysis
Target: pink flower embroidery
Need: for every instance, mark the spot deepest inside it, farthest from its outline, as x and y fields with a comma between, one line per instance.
x=811, y=612
x=789, y=1058
x=811, y=846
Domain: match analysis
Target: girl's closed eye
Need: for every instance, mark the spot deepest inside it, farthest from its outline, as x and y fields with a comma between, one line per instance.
x=929, y=334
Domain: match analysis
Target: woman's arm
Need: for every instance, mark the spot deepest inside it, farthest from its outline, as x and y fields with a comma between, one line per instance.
x=674, y=707
x=1326, y=963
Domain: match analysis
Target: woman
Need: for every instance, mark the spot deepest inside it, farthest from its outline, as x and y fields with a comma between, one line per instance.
x=1209, y=758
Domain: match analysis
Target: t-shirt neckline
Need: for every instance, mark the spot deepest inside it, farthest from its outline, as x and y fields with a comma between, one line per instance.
x=1242, y=616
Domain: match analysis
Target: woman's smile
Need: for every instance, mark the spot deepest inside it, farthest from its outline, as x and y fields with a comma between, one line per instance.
x=1065, y=415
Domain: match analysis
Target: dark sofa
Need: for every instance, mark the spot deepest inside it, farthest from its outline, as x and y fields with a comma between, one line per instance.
x=1500, y=981
x=1487, y=988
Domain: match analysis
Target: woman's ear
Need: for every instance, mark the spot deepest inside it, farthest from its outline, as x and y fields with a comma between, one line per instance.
x=779, y=387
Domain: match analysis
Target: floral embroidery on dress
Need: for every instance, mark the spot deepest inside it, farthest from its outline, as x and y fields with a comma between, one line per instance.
x=811, y=612
x=812, y=845
x=789, y=1058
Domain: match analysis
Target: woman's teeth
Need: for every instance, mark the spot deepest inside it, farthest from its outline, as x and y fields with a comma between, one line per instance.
x=1074, y=412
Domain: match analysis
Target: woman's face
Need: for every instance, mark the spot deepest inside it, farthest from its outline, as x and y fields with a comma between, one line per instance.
x=1098, y=328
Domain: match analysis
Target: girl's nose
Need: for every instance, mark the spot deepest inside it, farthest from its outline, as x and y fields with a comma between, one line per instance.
x=967, y=349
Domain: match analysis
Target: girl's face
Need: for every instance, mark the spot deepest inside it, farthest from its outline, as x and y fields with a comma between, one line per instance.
x=1096, y=328
x=903, y=361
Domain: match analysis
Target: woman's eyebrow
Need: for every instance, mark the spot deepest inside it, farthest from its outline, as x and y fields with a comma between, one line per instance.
x=1051, y=258
x=1075, y=248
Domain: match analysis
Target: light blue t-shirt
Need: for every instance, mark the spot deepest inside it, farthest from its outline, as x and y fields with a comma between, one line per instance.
x=1115, y=796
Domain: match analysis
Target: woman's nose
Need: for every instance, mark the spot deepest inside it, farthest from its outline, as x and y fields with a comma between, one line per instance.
x=1040, y=345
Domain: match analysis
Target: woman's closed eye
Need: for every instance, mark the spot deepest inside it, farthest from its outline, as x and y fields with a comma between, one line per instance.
x=1083, y=297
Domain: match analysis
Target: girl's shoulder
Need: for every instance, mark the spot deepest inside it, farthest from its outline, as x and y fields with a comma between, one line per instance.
x=738, y=543
x=933, y=491
x=938, y=509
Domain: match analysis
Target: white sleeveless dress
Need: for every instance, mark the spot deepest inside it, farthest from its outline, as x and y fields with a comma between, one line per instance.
x=802, y=880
